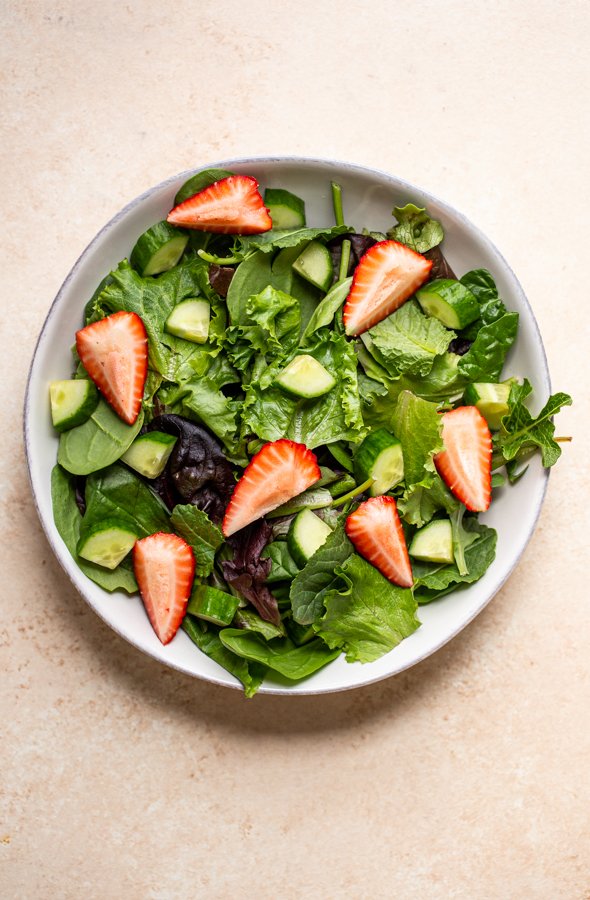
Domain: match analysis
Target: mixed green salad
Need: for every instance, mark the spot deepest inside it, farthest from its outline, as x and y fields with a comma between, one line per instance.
x=252, y=434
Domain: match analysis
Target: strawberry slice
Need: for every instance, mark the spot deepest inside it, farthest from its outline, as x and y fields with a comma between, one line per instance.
x=164, y=568
x=386, y=276
x=231, y=205
x=278, y=472
x=376, y=532
x=114, y=353
x=465, y=465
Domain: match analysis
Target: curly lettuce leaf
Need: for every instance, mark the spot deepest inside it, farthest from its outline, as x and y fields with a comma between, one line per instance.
x=415, y=228
x=271, y=414
x=407, y=341
x=366, y=615
x=522, y=432
x=281, y=239
x=270, y=326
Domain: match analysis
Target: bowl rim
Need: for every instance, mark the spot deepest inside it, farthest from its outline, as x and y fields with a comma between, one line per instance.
x=329, y=164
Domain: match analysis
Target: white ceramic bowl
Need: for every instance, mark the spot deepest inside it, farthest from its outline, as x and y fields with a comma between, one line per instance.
x=369, y=197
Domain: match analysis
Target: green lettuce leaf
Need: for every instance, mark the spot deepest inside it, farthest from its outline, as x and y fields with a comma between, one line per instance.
x=521, y=432
x=250, y=674
x=271, y=326
x=407, y=341
x=424, y=499
x=367, y=615
x=281, y=654
x=417, y=424
x=311, y=585
x=415, y=228
x=198, y=530
x=68, y=521
x=271, y=414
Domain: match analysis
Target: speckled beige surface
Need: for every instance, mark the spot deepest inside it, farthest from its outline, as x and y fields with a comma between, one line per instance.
x=466, y=777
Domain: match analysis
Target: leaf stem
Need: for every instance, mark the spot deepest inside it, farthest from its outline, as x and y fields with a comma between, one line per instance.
x=337, y=203
x=563, y=439
x=220, y=260
x=344, y=260
x=359, y=489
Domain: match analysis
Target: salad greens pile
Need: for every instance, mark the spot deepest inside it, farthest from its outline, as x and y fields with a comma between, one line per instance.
x=221, y=402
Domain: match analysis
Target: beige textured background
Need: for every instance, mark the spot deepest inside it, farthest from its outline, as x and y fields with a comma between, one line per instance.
x=466, y=777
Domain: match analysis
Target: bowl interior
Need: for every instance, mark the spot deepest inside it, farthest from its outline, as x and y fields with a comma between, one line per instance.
x=369, y=197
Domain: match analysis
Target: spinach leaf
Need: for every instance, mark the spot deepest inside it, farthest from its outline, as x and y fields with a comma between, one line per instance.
x=68, y=521
x=366, y=615
x=270, y=414
x=485, y=358
x=281, y=655
x=118, y=493
x=199, y=182
x=310, y=586
x=98, y=442
x=250, y=621
x=481, y=284
x=284, y=567
x=198, y=530
x=294, y=237
x=407, y=341
x=434, y=580
x=327, y=308
x=251, y=277
x=415, y=228
x=250, y=674
x=521, y=432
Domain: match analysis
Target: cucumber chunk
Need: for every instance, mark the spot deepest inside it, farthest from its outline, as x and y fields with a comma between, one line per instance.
x=286, y=209
x=379, y=457
x=158, y=249
x=190, y=320
x=490, y=399
x=305, y=377
x=434, y=542
x=306, y=535
x=212, y=605
x=149, y=453
x=107, y=543
x=450, y=302
x=72, y=402
x=315, y=265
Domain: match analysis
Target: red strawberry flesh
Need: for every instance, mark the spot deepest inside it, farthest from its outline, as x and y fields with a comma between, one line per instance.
x=279, y=471
x=114, y=353
x=376, y=532
x=386, y=276
x=164, y=567
x=232, y=205
x=465, y=464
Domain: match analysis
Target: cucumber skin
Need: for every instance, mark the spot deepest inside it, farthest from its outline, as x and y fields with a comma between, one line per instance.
x=212, y=605
x=370, y=450
x=455, y=296
x=152, y=241
x=298, y=553
x=84, y=411
x=302, y=266
x=98, y=529
x=279, y=199
x=167, y=442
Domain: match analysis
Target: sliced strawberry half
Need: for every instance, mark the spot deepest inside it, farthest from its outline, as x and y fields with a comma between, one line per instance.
x=114, y=353
x=376, y=532
x=164, y=568
x=386, y=276
x=465, y=464
x=231, y=205
x=278, y=472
